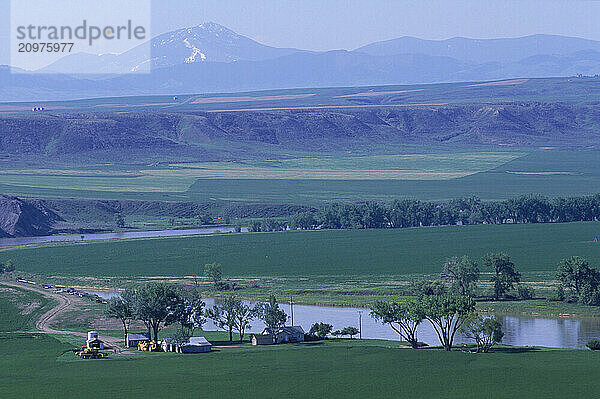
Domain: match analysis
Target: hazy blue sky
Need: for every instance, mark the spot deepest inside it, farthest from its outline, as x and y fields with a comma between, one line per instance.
x=335, y=24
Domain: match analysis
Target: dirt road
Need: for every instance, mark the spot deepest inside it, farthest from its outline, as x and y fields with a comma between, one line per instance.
x=65, y=303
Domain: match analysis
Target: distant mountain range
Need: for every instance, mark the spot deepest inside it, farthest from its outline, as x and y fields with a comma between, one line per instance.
x=208, y=42
x=211, y=58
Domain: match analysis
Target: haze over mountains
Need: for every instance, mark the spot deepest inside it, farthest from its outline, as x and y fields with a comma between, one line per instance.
x=212, y=58
x=208, y=42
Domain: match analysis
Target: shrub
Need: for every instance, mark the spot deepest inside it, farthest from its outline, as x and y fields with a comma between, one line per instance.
x=559, y=294
x=589, y=295
x=525, y=291
x=320, y=330
x=593, y=344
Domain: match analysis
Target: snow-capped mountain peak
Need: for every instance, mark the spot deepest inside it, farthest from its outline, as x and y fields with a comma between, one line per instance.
x=206, y=42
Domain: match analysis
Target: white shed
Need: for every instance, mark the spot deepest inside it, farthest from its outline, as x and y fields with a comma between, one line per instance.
x=195, y=345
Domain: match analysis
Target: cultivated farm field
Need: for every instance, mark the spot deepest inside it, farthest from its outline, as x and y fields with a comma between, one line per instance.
x=321, y=179
x=535, y=249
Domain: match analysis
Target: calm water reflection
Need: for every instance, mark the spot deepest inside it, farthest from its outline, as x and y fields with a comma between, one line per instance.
x=518, y=330
x=4, y=242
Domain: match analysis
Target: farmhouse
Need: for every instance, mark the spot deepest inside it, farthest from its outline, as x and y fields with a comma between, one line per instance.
x=133, y=339
x=286, y=335
x=282, y=335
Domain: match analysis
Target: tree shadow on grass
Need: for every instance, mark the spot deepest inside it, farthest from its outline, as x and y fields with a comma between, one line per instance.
x=312, y=343
x=229, y=343
x=515, y=349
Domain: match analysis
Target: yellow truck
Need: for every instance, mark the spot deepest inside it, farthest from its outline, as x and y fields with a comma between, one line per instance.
x=148, y=346
x=90, y=353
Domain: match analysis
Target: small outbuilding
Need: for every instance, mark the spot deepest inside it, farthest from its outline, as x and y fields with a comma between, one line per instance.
x=262, y=339
x=195, y=345
x=133, y=339
x=93, y=342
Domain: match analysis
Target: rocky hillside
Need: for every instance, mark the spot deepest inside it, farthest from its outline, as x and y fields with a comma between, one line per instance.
x=25, y=218
x=226, y=135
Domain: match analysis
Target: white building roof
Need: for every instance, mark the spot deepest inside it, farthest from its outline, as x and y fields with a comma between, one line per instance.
x=197, y=341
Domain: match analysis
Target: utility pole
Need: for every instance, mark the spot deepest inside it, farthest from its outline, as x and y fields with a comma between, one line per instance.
x=360, y=324
x=292, y=309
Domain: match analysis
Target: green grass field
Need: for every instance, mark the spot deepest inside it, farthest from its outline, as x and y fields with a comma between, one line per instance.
x=393, y=252
x=20, y=309
x=39, y=366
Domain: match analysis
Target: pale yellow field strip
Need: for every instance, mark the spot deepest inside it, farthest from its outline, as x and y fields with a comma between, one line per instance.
x=329, y=107
x=69, y=172
x=500, y=83
x=377, y=93
x=212, y=100
x=134, y=105
x=325, y=174
x=542, y=173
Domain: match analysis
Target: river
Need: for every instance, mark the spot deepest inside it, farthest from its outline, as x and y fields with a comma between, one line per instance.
x=5, y=242
x=518, y=330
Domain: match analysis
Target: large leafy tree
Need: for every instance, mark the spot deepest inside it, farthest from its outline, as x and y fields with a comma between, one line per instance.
x=189, y=312
x=461, y=274
x=403, y=317
x=214, y=272
x=486, y=331
x=121, y=308
x=155, y=305
x=447, y=313
x=504, y=273
x=224, y=314
x=243, y=315
x=575, y=273
x=272, y=315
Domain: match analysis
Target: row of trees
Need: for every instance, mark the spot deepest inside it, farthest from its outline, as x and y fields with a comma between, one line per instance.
x=266, y=225
x=578, y=281
x=158, y=305
x=471, y=210
x=459, y=276
x=447, y=314
x=321, y=330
